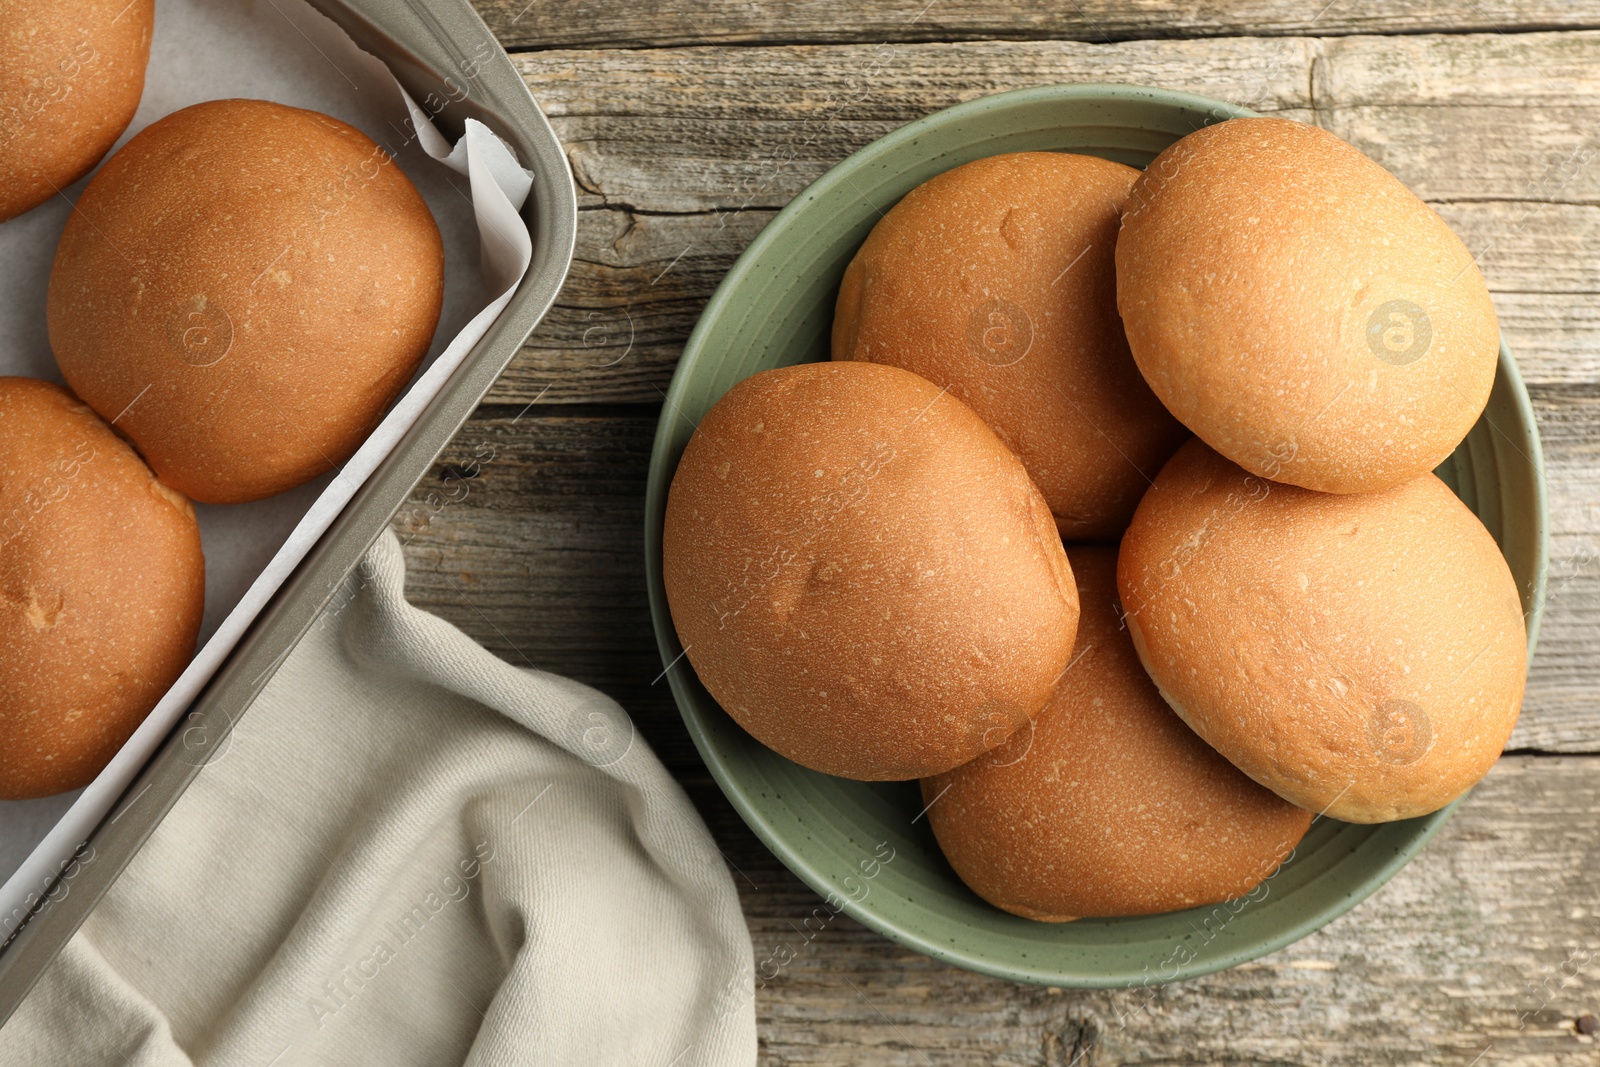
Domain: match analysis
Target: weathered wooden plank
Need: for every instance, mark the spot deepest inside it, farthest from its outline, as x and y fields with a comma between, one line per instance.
x=706, y=129
x=531, y=542
x=716, y=138
x=636, y=287
x=1485, y=949
x=1481, y=951
x=640, y=281
x=588, y=24
x=528, y=535
x=1468, y=117
x=1562, y=708
x=539, y=555
x=1531, y=247
x=1480, y=151
x=888, y=81
x=1534, y=70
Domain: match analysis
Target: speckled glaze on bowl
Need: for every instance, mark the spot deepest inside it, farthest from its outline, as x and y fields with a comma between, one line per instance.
x=864, y=846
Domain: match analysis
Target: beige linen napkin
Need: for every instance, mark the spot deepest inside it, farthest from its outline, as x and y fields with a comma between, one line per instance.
x=410, y=853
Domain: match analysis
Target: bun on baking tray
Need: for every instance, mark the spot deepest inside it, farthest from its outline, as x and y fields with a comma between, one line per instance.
x=244, y=288
x=1300, y=309
x=862, y=574
x=71, y=75
x=1109, y=805
x=997, y=280
x=1361, y=655
x=102, y=586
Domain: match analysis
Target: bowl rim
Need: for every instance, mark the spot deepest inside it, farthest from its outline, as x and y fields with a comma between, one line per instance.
x=671, y=652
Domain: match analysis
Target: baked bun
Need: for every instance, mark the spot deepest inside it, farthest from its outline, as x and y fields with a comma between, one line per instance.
x=1360, y=655
x=1301, y=310
x=996, y=279
x=71, y=75
x=102, y=585
x=1109, y=805
x=243, y=289
x=861, y=572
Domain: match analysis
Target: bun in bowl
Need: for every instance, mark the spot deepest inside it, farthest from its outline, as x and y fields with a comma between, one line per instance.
x=996, y=280
x=1108, y=805
x=1302, y=311
x=1361, y=655
x=861, y=572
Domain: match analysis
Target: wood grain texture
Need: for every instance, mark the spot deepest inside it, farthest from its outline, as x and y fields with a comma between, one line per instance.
x=713, y=128
x=540, y=554
x=686, y=153
x=690, y=150
x=640, y=281
x=1478, y=116
x=537, y=24
x=689, y=125
x=528, y=535
x=1487, y=945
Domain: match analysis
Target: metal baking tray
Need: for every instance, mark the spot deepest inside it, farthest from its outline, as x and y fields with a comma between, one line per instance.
x=440, y=50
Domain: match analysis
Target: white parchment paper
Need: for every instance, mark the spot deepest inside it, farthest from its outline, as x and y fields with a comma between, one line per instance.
x=278, y=50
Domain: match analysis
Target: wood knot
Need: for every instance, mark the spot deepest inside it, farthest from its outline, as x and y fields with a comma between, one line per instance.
x=1073, y=1043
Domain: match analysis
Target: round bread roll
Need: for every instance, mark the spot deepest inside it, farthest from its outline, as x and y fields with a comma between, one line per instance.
x=71, y=75
x=862, y=574
x=997, y=280
x=243, y=290
x=1109, y=805
x=1301, y=310
x=1360, y=655
x=101, y=590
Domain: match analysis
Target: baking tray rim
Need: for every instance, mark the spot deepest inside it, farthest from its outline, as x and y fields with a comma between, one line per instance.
x=433, y=46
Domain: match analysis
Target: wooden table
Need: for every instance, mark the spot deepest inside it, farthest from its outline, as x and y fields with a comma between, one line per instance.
x=688, y=125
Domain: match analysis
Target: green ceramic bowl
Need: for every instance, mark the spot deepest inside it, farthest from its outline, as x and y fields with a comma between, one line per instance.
x=863, y=845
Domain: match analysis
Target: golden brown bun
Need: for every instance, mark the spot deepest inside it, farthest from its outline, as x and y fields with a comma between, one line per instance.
x=1361, y=655
x=71, y=75
x=996, y=279
x=1300, y=310
x=243, y=289
x=102, y=585
x=862, y=574
x=1110, y=805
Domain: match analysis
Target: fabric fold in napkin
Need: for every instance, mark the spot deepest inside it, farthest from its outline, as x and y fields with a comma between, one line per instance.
x=410, y=852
